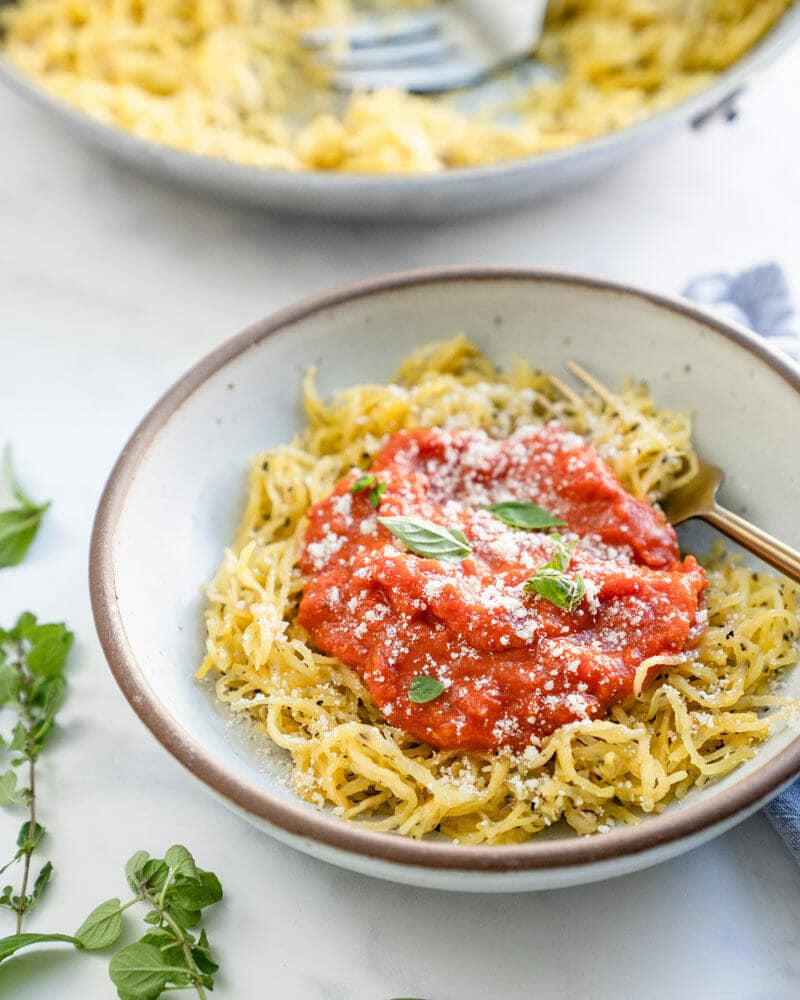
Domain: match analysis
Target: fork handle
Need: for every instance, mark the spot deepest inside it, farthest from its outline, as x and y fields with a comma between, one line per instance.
x=780, y=556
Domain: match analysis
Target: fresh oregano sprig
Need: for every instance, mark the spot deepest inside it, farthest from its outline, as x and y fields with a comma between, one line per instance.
x=18, y=524
x=171, y=955
x=32, y=687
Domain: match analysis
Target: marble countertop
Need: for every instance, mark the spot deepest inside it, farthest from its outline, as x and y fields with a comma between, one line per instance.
x=110, y=286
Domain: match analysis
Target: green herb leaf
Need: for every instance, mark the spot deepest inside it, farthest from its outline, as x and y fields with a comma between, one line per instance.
x=422, y=689
x=17, y=530
x=375, y=495
x=41, y=883
x=140, y=970
x=363, y=483
x=13, y=943
x=102, y=927
x=181, y=862
x=8, y=787
x=153, y=874
x=134, y=867
x=9, y=682
x=29, y=837
x=424, y=538
x=371, y=483
x=49, y=647
x=18, y=525
x=552, y=583
x=524, y=515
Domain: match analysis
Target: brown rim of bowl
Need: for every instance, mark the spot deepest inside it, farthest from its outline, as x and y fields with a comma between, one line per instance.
x=297, y=819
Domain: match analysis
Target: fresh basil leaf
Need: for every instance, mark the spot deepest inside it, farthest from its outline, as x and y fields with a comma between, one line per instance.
x=181, y=862
x=363, y=483
x=525, y=515
x=102, y=927
x=422, y=689
x=140, y=970
x=424, y=538
x=8, y=787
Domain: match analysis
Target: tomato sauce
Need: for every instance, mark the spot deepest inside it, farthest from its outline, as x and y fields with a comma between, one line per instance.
x=514, y=667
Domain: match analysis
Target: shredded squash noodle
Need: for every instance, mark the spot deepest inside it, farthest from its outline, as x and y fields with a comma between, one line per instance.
x=229, y=78
x=703, y=715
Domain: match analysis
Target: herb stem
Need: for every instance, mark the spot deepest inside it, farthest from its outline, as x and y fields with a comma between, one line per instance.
x=180, y=937
x=26, y=864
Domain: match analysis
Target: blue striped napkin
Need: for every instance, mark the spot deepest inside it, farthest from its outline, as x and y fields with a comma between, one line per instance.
x=759, y=298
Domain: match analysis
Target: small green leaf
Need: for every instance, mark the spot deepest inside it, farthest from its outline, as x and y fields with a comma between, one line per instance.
x=8, y=787
x=11, y=482
x=19, y=737
x=17, y=530
x=41, y=883
x=424, y=538
x=524, y=515
x=52, y=692
x=371, y=483
x=552, y=583
x=134, y=867
x=13, y=943
x=182, y=862
x=49, y=647
x=9, y=683
x=29, y=837
x=422, y=689
x=376, y=493
x=363, y=483
x=153, y=874
x=140, y=970
x=102, y=927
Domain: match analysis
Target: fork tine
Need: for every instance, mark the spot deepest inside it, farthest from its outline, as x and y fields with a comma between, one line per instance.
x=565, y=390
x=592, y=383
x=424, y=52
x=373, y=31
x=451, y=74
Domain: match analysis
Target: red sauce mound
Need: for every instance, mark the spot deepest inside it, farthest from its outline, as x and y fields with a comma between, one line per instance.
x=514, y=666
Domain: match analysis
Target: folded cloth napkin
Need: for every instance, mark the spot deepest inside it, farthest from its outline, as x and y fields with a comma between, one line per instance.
x=760, y=299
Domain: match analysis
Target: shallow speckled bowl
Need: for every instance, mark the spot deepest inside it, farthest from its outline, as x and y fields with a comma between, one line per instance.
x=176, y=493
x=427, y=197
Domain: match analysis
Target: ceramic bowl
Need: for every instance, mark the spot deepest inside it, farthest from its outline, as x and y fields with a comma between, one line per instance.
x=450, y=194
x=176, y=493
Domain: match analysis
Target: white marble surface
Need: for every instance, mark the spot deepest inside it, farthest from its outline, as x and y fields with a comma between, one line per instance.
x=110, y=286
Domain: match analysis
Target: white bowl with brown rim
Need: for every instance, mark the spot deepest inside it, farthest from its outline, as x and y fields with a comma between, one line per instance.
x=175, y=495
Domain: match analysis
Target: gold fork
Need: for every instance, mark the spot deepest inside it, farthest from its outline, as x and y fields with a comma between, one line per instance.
x=698, y=498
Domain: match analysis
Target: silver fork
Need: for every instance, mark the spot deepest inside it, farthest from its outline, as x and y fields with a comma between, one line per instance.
x=457, y=45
